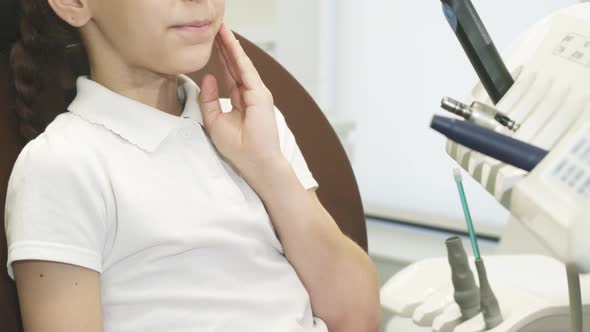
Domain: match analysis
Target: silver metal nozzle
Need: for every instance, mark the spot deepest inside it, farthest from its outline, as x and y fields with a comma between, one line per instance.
x=456, y=107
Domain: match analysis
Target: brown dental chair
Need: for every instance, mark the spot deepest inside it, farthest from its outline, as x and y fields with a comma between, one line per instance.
x=325, y=156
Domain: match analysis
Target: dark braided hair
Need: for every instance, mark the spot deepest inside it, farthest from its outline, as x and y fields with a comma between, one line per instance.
x=45, y=62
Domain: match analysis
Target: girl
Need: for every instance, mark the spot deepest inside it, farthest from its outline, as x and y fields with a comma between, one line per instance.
x=151, y=205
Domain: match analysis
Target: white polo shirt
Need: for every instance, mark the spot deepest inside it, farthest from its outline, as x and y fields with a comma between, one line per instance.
x=141, y=196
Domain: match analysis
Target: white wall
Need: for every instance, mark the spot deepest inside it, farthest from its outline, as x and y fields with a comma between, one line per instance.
x=298, y=36
x=293, y=32
x=396, y=59
x=251, y=13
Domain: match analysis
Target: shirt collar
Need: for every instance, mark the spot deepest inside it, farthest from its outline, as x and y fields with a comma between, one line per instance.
x=139, y=124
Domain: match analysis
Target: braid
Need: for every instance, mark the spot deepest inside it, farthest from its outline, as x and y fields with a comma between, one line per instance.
x=40, y=59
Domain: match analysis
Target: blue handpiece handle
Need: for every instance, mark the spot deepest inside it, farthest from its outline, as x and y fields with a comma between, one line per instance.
x=490, y=143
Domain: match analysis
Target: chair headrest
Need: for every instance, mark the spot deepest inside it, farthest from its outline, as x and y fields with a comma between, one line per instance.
x=9, y=23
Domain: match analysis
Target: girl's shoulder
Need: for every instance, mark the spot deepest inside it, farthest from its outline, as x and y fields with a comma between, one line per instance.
x=63, y=148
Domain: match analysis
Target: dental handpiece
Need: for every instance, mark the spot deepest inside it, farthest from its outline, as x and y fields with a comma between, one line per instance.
x=479, y=114
x=490, y=143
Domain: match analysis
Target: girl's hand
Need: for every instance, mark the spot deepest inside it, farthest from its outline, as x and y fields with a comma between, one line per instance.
x=247, y=136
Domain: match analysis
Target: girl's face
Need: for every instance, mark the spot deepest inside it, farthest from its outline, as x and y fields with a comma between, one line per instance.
x=163, y=36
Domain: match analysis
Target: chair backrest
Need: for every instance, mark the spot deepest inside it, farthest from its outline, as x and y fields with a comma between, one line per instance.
x=319, y=144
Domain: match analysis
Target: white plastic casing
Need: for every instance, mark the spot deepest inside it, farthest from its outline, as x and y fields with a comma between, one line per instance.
x=551, y=101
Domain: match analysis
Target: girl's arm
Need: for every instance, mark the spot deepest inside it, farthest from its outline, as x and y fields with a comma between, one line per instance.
x=339, y=276
x=58, y=297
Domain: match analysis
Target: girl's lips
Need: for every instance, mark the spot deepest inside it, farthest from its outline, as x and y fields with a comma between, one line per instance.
x=197, y=26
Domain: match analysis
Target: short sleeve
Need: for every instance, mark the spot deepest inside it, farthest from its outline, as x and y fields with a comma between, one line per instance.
x=293, y=154
x=54, y=207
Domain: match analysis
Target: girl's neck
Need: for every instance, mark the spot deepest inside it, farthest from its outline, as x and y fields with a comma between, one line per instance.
x=157, y=91
x=109, y=69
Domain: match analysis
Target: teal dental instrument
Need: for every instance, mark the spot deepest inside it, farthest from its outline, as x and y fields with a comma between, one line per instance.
x=459, y=181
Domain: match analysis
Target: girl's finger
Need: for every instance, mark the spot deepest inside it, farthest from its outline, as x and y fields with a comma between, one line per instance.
x=232, y=85
x=225, y=69
x=230, y=65
x=247, y=73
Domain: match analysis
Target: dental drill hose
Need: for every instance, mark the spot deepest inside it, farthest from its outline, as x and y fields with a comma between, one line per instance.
x=490, y=308
x=575, y=296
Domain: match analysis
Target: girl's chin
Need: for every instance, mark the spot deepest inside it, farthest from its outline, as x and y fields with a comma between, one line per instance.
x=192, y=60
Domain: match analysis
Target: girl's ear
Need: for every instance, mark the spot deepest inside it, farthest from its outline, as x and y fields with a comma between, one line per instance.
x=75, y=12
